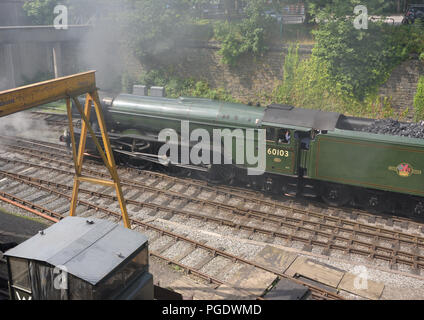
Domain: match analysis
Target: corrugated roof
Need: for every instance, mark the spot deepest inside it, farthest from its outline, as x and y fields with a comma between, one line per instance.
x=87, y=251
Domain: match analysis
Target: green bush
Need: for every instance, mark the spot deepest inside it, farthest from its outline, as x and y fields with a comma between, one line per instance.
x=200, y=30
x=239, y=40
x=290, y=68
x=358, y=60
x=409, y=38
x=307, y=84
x=419, y=101
x=177, y=87
x=202, y=89
x=247, y=36
x=40, y=12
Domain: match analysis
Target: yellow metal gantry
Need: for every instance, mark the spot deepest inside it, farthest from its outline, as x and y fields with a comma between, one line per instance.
x=70, y=87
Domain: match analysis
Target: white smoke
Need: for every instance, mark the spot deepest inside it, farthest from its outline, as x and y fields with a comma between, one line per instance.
x=24, y=126
x=100, y=49
x=4, y=84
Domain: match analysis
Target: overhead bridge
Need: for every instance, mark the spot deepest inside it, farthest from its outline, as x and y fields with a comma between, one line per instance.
x=28, y=51
x=46, y=34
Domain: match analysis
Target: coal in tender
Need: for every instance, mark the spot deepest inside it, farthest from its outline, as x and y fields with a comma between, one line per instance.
x=396, y=128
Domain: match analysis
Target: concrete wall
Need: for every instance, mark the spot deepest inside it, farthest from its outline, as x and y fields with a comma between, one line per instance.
x=11, y=13
x=23, y=62
x=7, y=72
x=26, y=53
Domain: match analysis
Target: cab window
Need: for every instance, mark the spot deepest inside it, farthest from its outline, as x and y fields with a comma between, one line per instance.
x=283, y=136
x=270, y=134
x=278, y=135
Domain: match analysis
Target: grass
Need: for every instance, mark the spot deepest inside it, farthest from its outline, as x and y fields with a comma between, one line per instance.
x=291, y=33
x=177, y=268
x=35, y=219
x=53, y=107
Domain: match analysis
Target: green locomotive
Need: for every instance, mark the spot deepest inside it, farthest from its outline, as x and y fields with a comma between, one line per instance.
x=309, y=152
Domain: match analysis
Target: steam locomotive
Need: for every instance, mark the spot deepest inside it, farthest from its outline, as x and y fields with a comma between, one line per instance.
x=307, y=152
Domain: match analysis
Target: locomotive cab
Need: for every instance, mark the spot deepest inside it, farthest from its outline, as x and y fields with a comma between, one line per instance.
x=282, y=150
x=290, y=132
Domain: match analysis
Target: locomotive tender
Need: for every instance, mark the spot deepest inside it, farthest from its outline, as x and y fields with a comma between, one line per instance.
x=309, y=152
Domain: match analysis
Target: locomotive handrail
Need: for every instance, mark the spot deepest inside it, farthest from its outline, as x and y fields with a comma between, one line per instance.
x=70, y=87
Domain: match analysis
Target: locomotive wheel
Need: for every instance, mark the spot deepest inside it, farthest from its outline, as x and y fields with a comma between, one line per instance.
x=142, y=165
x=202, y=175
x=217, y=174
x=419, y=210
x=375, y=203
x=221, y=174
x=177, y=171
x=335, y=195
x=126, y=160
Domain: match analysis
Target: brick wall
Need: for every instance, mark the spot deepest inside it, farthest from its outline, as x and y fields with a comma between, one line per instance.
x=402, y=84
x=252, y=79
x=248, y=81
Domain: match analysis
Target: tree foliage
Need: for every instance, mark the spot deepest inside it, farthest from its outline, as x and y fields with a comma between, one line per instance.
x=359, y=61
x=177, y=87
x=247, y=36
x=326, y=10
x=307, y=84
x=155, y=26
x=41, y=12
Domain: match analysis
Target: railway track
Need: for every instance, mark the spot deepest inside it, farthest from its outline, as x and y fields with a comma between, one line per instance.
x=294, y=225
x=245, y=196
x=321, y=235
x=53, y=197
x=53, y=119
x=312, y=229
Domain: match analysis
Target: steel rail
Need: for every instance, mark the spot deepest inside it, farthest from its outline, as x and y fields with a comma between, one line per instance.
x=374, y=251
x=229, y=193
x=28, y=206
x=315, y=290
x=248, y=195
x=356, y=228
x=374, y=233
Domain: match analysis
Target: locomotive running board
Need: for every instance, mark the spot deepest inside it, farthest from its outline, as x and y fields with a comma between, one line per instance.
x=153, y=158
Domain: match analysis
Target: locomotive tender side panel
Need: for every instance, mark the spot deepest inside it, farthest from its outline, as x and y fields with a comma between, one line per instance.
x=376, y=162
